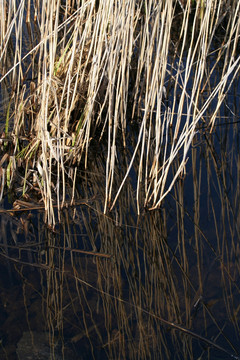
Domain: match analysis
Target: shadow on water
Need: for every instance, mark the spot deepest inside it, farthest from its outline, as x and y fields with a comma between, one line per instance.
x=163, y=285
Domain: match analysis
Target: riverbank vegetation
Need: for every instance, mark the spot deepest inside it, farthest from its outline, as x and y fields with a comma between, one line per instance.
x=78, y=73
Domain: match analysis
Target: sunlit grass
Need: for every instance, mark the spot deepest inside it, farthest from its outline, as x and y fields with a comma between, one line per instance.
x=95, y=67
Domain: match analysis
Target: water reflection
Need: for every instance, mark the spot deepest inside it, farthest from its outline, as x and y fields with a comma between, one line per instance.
x=143, y=287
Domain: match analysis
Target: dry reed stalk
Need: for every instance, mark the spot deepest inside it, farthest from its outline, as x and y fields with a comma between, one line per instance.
x=91, y=64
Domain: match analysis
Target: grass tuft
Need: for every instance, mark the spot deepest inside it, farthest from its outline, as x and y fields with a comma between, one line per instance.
x=94, y=67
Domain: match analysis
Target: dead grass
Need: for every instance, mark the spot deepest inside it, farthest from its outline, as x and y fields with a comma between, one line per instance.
x=85, y=67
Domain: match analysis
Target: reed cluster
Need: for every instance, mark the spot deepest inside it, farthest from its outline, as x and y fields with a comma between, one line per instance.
x=88, y=70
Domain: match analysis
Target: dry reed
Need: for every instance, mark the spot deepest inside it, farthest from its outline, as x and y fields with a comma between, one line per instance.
x=92, y=67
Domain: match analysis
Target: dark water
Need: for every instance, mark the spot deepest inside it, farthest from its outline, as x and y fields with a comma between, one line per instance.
x=178, y=265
